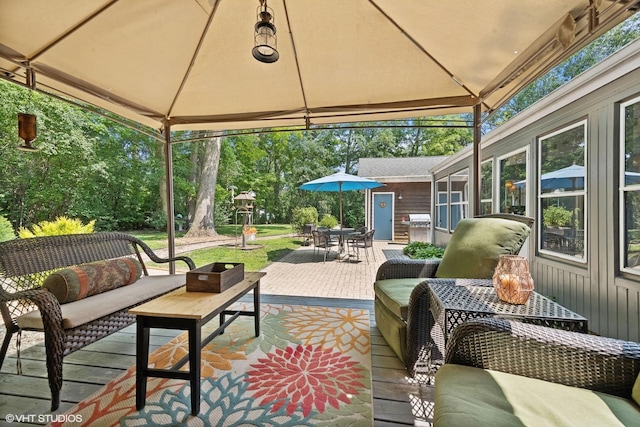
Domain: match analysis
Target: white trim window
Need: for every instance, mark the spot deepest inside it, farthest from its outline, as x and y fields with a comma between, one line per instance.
x=512, y=182
x=562, y=192
x=442, y=204
x=630, y=186
x=459, y=197
x=486, y=187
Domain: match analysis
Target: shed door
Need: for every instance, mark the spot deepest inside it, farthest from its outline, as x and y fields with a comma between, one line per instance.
x=383, y=216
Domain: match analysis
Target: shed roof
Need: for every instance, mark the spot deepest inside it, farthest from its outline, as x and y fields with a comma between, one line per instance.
x=399, y=169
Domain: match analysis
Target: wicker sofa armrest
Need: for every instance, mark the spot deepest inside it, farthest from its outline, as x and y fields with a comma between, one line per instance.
x=587, y=361
x=155, y=258
x=407, y=268
x=51, y=313
x=27, y=294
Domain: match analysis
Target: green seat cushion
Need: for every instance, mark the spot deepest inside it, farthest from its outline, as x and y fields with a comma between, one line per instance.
x=395, y=293
x=635, y=392
x=75, y=283
x=391, y=327
x=476, y=245
x=467, y=396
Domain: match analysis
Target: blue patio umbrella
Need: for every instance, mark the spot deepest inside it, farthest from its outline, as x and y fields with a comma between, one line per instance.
x=573, y=177
x=631, y=178
x=570, y=177
x=339, y=182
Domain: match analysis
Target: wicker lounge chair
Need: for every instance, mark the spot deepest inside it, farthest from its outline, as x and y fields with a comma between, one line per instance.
x=606, y=366
x=402, y=293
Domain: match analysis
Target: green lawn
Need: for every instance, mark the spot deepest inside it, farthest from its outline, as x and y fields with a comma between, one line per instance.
x=158, y=239
x=267, y=251
x=254, y=259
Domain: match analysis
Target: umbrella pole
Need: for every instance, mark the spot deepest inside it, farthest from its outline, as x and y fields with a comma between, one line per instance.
x=341, y=248
x=340, y=206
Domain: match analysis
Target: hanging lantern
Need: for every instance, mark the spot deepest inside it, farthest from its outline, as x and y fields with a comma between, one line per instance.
x=27, y=123
x=27, y=130
x=265, y=49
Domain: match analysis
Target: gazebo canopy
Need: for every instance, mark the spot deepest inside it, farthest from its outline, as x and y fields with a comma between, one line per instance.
x=188, y=63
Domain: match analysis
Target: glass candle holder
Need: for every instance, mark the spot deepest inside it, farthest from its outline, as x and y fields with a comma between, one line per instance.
x=512, y=280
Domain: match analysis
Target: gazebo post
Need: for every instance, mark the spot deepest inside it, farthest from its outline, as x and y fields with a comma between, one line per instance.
x=168, y=169
x=477, y=159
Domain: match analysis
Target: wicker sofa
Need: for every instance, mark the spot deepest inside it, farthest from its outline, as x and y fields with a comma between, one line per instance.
x=499, y=372
x=25, y=264
x=401, y=303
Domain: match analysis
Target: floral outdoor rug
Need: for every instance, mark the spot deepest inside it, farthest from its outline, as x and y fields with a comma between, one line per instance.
x=311, y=366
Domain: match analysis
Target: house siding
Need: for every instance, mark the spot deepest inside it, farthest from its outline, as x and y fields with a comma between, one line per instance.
x=597, y=289
x=416, y=198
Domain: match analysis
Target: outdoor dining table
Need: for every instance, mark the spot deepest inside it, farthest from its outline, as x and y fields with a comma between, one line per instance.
x=340, y=233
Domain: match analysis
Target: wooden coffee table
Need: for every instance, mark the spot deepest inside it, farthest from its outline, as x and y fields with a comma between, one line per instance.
x=188, y=311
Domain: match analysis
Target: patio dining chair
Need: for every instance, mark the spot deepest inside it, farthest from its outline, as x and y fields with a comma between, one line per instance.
x=305, y=232
x=351, y=238
x=322, y=241
x=364, y=241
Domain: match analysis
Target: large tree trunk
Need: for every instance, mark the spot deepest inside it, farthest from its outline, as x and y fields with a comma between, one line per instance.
x=193, y=179
x=202, y=224
x=348, y=151
x=416, y=143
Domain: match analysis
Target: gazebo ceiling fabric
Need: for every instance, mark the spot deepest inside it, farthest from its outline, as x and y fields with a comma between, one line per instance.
x=188, y=63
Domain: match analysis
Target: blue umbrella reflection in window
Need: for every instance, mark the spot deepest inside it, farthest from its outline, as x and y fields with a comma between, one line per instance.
x=571, y=178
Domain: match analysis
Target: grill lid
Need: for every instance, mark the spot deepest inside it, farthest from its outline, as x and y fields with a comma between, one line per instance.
x=420, y=218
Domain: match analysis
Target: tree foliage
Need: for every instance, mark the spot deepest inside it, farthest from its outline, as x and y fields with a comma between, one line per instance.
x=590, y=55
x=87, y=167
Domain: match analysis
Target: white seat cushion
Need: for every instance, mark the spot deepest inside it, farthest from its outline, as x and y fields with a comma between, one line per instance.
x=94, y=307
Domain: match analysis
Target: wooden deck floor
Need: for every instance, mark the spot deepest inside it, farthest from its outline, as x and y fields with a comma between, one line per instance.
x=398, y=400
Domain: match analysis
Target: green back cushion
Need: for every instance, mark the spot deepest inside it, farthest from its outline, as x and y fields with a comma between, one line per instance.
x=74, y=283
x=477, y=243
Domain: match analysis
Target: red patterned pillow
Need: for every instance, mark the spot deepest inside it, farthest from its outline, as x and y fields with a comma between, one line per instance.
x=74, y=283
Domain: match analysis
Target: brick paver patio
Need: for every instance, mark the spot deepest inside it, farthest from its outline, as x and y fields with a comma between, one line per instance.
x=301, y=273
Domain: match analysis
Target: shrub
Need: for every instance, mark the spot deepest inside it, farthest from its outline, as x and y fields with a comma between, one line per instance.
x=222, y=215
x=61, y=225
x=423, y=250
x=557, y=216
x=6, y=230
x=328, y=221
x=158, y=220
x=302, y=216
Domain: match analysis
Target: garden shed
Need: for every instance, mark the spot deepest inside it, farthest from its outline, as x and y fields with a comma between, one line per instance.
x=407, y=192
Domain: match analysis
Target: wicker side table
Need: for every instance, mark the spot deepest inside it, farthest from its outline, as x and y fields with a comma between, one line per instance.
x=453, y=305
